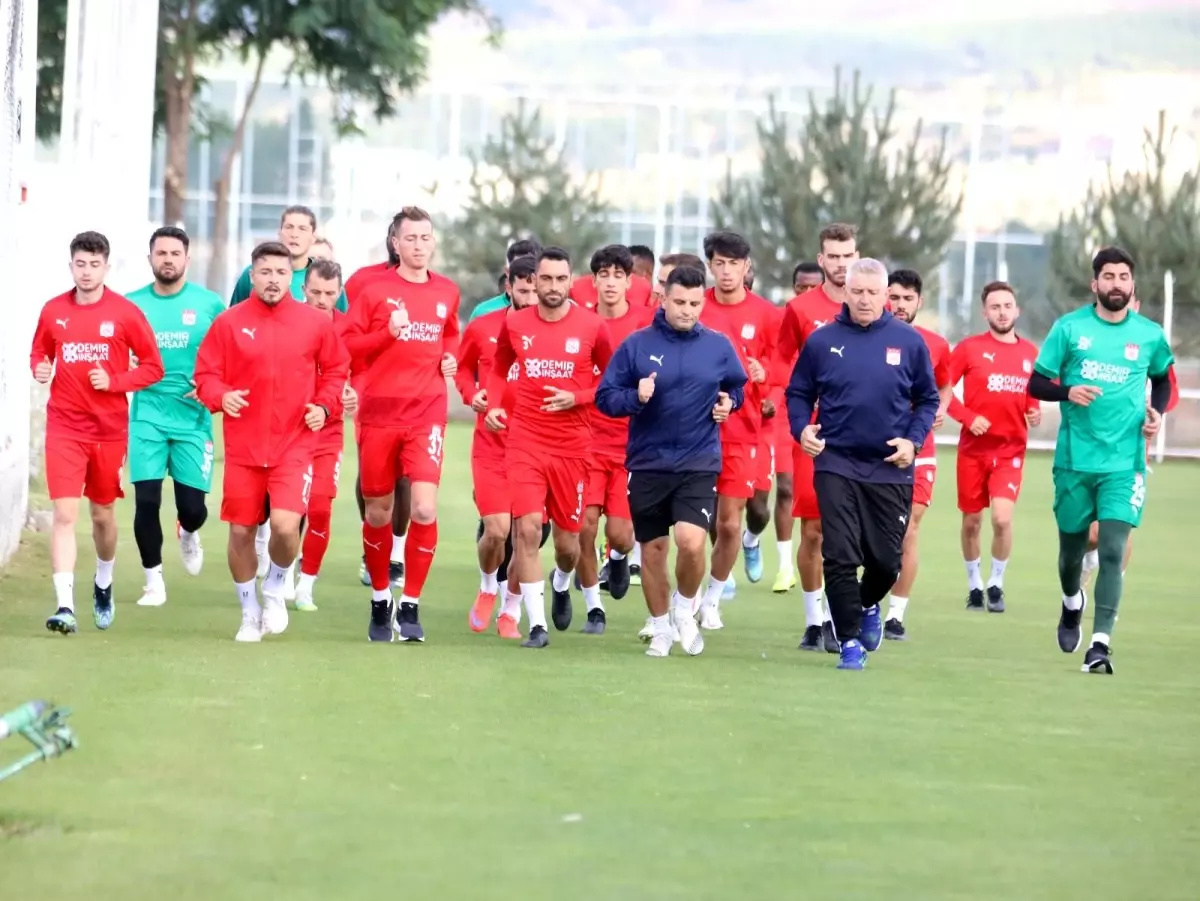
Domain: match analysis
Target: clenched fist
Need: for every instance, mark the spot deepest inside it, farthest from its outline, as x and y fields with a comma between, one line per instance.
x=44, y=370
x=646, y=388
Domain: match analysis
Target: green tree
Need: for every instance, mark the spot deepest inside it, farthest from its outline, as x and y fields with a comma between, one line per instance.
x=1152, y=215
x=846, y=163
x=521, y=187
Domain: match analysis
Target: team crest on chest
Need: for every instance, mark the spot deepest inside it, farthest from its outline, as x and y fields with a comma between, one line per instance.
x=893, y=356
x=1131, y=351
x=441, y=311
x=572, y=346
x=189, y=317
x=1027, y=366
x=748, y=331
x=106, y=329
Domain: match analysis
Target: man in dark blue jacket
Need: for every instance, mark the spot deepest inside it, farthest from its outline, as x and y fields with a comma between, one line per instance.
x=677, y=381
x=870, y=379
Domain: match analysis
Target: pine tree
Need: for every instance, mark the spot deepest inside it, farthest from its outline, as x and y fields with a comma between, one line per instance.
x=1153, y=216
x=521, y=187
x=847, y=163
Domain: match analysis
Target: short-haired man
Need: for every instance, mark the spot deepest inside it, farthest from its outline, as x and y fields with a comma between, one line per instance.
x=526, y=247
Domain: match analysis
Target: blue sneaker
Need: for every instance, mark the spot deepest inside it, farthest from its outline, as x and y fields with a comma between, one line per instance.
x=729, y=592
x=62, y=622
x=752, y=557
x=102, y=606
x=854, y=656
x=870, y=632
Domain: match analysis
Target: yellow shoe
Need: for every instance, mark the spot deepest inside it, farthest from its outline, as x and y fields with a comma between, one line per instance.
x=785, y=581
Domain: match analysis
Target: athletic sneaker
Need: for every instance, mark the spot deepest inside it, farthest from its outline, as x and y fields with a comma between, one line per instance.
x=829, y=638
x=480, y=617
x=635, y=574
x=689, y=638
x=647, y=632
x=191, y=551
x=811, y=641
x=153, y=597
x=507, y=627
x=854, y=655
x=560, y=610
x=275, y=614
x=617, y=572
x=753, y=562
x=729, y=592
x=596, y=622
x=785, y=581
x=251, y=629
x=893, y=630
x=408, y=622
x=363, y=575
x=995, y=599
x=102, y=606
x=660, y=646
x=870, y=630
x=63, y=621
x=538, y=638
x=1070, y=633
x=396, y=574
x=710, y=618
x=304, y=599
x=380, y=627
x=975, y=599
x=1098, y=659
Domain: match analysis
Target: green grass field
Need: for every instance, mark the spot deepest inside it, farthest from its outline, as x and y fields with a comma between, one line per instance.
x=973, y=762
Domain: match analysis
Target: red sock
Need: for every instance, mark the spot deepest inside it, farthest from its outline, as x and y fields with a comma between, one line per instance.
x=377, y=545
x=316, y=536
x=419, y=548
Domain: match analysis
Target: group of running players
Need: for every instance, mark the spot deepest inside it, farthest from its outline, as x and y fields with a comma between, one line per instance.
x=381, y=347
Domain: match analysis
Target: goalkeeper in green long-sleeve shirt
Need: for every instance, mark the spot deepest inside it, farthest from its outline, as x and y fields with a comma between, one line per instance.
x=298, y=233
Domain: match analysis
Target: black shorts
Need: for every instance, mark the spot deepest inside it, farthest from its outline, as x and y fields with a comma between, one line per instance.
x=658, y=499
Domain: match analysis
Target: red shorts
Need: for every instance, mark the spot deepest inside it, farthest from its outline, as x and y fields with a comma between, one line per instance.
x=984, y=478
x=739, y=470
x=244, y=498
x=608, y=487
x=387, y=455
x=923, y=478
x=326, y=472
x=493, y=494
x=84, y=469
x=804, y=495
x=781, y=445
x=765, y=463
x=542, y=482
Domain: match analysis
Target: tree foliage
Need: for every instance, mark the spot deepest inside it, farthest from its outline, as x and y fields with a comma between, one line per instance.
x=846, y=163
x=1152, y=215
x=521, y=187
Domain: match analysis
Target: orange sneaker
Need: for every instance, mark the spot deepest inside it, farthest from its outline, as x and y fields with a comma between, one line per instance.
x=481, y=611
x=507, y=627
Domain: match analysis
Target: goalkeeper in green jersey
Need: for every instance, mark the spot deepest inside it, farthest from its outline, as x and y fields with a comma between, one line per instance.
x=170, y=433
x=1095, y=363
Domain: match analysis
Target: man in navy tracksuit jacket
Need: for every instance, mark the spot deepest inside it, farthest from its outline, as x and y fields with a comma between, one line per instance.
x=677, y=381
x=870, y=379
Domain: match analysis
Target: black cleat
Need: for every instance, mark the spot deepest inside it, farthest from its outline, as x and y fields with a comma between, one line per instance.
x=975, y=599
x=380, y=627
x=560, y=610
x=995, y=599
x=812, y=639
x=538, y=638
x=893, y=630
x=595, y=622
x=102, y=606
x=408, y=623
x=635, y=574
x=1098, y=660
x=829, y=639
x=396, y=574
x=578, y=584
x=604, y=586
x=618, y=578
x=1070, y=627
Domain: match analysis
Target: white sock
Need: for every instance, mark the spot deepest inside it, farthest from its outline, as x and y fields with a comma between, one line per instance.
x=405, y=599
x=812, y=608
x=682, y=604
x=974, y=575
x=273, y=583
x=1102, y=638
x=104, y=572
x=306, y=582
x=488, y=583
x=1074, y=602
x=248, y=598
x=615, y=555
x=787, y=562
x=661, y=624
x=826, y=616
x=533, y=594
x=1091, y=561
x=997, y=578
x=154, y=578
x=712, y=597
x=381, y=594
x=263, y=535
x=896, y=608
x=398, y=548
x=591, y=597
x=502, y=588
x=64, y=589
x=749, y=539
x=635, y=556
x=512, y=606
x=560, y=581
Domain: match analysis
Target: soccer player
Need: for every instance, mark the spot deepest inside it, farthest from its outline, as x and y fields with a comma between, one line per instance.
x=606, y=490
x=666, y=265
x=170, y=432
x=752, y=324
x=904, y=297
x=276, y=370
x=322, y=249
x=643, y=262
x=1101, y=356
x=527, y=247
x=996, y=413
x=872, y=377
x=322, y=287
x=807, y=276
x=298, y=233
x=489, y=476
x=803, y=315
x=403, y=337
x=676, y=381
x=561, y=349
x=639, y=294
x=81, y=347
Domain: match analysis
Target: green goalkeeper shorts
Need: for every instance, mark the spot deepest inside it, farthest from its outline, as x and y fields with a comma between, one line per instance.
x=155, y=453
x=1082, y=498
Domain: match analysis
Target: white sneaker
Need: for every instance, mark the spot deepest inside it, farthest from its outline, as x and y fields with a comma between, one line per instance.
x=289, y=584
x=304, y=598
x=191, y=551
x=275, y=615
x=251, y=629
x=153, y=597
x=647, y=632
x=710, y=618
x=689, y=638
x=264, y=561
x=660, y=645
